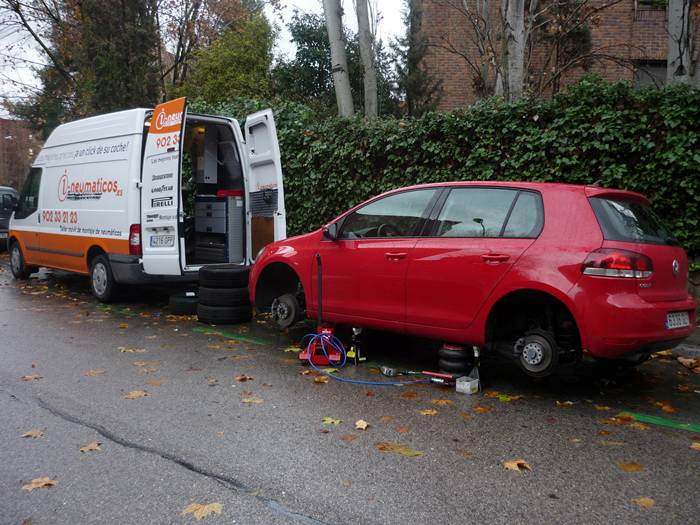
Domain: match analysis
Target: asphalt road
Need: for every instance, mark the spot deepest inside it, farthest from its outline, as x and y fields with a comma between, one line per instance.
x=259, y=447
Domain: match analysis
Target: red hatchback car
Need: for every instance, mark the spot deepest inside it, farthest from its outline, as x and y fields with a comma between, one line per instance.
x=541, y=272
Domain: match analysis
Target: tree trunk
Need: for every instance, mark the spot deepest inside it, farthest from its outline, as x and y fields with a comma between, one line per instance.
x=369, y=72
x=678, y=58
x=515, y=42
x=339, y=62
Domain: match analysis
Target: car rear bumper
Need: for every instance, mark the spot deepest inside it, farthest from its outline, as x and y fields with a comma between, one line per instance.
x=625, y=325
x=127, y=269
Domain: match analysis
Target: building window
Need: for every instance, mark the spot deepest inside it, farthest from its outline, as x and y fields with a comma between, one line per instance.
x=650, y=73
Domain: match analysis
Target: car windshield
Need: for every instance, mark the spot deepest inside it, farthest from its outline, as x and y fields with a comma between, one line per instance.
x=631, y=221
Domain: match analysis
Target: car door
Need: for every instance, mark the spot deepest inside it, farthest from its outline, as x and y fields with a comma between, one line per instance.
x=161, y=206
x=364, y=270
x=266, y=217
x=474, y=239
x=26, y=221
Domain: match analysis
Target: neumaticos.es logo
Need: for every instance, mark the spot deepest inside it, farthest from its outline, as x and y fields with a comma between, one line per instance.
x=86, y=190
x=166, y=120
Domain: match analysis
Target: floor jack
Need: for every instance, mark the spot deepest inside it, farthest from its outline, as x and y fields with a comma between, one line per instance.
x=321, y=351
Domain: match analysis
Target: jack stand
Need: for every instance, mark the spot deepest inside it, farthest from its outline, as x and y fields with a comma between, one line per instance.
x=314, y=352
x=355, y=352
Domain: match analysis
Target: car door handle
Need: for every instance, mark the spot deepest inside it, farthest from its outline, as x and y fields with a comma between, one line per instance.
x=395, y=256
x=495, y=257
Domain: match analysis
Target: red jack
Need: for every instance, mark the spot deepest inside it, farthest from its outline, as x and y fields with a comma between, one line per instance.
x=315, y=349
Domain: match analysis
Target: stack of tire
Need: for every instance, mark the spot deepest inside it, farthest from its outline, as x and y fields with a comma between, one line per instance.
x=223, y=295
x=183, y=303
x=455, y=360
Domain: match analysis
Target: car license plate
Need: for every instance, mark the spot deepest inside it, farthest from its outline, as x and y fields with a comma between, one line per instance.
x=162, y=241
x=677, y=320
x=3, y=235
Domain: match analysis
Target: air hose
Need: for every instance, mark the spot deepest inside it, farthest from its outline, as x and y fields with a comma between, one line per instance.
x=331, y=341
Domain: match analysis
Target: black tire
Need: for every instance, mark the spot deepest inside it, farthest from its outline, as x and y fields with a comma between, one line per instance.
x=224, y=314
x=102, y=283
x=455, y=354
x=454, y=367
x=224, y=276
x=17, y=265
x=224, y=296
x=286, y=310
x=183, y=303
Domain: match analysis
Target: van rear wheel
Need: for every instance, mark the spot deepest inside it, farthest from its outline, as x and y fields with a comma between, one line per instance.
x=19, y=268
x=102, y=283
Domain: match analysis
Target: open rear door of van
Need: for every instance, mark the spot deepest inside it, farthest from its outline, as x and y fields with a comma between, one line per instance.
x=267, y=220
x=161, y=209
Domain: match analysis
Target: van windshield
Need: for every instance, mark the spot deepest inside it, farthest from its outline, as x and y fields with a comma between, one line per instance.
x=630, y=221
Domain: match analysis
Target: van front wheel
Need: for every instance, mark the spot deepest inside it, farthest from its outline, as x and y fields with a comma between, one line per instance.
x=102, y=281
x=19, y=268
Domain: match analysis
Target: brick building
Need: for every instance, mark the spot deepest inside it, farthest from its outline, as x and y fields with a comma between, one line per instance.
x=18, y=147
x=628, y=37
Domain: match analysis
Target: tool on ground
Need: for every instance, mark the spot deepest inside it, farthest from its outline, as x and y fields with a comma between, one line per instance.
x=434, y=377
x=355, y=351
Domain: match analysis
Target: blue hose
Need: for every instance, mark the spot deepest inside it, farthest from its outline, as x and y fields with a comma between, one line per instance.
x=333, y=342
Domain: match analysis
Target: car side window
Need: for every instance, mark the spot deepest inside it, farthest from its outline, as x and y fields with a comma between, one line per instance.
x=475, y=212
x=397, y=215
x=29, y=197
x=526, y=218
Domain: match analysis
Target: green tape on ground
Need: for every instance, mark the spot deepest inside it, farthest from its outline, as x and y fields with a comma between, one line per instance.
x=656, y=420
x=231, y=335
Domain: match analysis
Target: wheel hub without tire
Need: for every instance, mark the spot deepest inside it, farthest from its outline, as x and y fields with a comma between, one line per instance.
x=533, y=353
x=538, y=353
x=281, y=311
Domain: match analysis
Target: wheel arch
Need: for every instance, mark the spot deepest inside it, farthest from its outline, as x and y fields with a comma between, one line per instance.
x=275, y=279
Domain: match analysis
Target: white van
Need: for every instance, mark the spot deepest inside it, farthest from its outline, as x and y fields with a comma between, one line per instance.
x=146, y=195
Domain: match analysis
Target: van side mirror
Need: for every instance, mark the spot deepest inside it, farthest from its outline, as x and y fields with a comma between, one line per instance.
x=330, y=232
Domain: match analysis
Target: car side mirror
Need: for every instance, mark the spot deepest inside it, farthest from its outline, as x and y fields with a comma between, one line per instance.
x=330, y=232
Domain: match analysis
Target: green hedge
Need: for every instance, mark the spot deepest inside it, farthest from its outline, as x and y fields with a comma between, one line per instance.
x=647, y=141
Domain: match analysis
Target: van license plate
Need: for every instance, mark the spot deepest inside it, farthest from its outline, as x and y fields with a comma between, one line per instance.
x=677, y=320
x=162, y=241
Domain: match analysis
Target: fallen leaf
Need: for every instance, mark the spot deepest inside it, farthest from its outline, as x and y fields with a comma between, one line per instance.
x=646, y=503
x=214, y=346
x=638, y=425
x=442, y=402
x=666, y=407
x=242, y=378
x=199, y=510
x=39, y=483
x=482, y=409
x=463, y=453
x=603, y=432
x=518, y=465
x=155, y=382
x=135, y=394
x=151, y=336
x=630, y=467
x=93, y=446
x=565, y=404
x=33, y=434
x=428, y=412
x=574, y=440
x=612, y=443
x=403, y=429
x=683, y=388
x=465, y=415
x=129, y=350
x=94, y=372
x=321, y=380
x=663, y=354
x=294, y=349
x=123, y=326
x=506, y=398
x=409, y=395
x=32, y=377
x=695, y=445
x=348, y=437
x=689, y=362
x=601, y=408
x=330, y=421
x=361, y=424
x=329, y=370
x=252, y=400
x=397, y=448
x=387, y=419
x=212, y=381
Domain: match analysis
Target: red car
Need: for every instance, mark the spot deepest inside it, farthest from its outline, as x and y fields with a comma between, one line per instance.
x=541, y=272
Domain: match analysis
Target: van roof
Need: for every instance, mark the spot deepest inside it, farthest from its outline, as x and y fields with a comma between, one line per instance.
x=116, y=124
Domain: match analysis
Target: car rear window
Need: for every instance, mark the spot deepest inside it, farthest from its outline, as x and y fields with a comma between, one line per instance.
x=630, y=221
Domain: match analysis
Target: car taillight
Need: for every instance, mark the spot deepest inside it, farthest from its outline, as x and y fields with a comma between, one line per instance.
x=135, y=239
x=608, y=262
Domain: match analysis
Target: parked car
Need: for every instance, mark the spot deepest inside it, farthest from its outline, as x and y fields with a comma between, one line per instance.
x=8, y=199
x=540, y=272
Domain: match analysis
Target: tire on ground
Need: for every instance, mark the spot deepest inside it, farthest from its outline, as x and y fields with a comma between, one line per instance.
x=224, y=314
x=183, y=304
x=224, y=296
x=224, y=276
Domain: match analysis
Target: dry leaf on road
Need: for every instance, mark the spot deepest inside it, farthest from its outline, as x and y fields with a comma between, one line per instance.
x=348, y=437
x=482, y=409
x=428, y=412
x=361, y=424
x=321, y=380
x=94, y=372
x=403, y=429
x=666, y=407
x=154, y=382
x=689, y=362
x=647, y=503
x=397, y=448
x=39, y=483
x=330, y=421
x=409, y=395
x=129, y=350
x=442, y=402
x=93, y=446
x=123, y=326
x=630, y=467
x=33, y=434
x=695, y=445
x=135, y=394
x=200, y=511
x=32, y=377
x=601, y=407
x=251, y=400
x=242, y=378
x=518, y=465
x=565, y=404
x=387, y=419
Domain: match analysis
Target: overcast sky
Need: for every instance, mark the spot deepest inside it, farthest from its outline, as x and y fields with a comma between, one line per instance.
x=389, y=14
